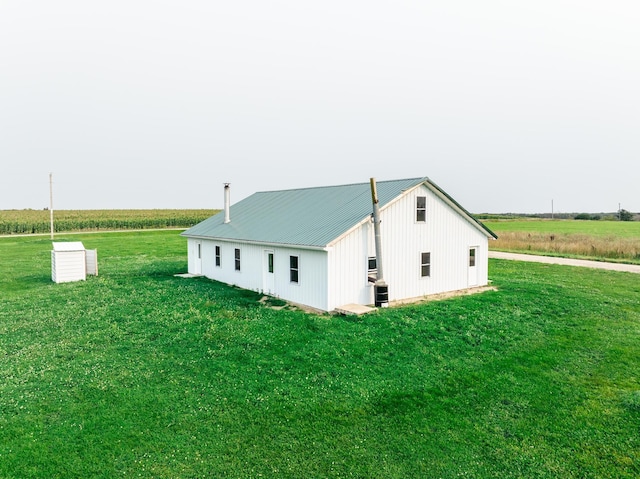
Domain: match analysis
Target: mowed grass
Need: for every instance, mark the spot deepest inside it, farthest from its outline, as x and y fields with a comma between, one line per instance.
x=599, y=240
x=139, y=373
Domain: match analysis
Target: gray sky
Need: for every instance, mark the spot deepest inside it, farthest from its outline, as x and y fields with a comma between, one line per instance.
x=507, y=105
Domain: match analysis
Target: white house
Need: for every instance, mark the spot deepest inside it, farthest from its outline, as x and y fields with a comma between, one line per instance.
x=315, y=246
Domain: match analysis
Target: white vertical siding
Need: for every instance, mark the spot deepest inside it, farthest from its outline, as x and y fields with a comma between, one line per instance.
x=313, y=277
x=445, y=234
x=192, y=255
x=348, y=266
x=311, y=288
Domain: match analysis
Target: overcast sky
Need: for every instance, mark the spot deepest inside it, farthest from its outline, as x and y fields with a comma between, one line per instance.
x=507, y=105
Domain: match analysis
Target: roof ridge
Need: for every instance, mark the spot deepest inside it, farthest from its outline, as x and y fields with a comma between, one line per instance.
x=312, y=216
x=419, y=178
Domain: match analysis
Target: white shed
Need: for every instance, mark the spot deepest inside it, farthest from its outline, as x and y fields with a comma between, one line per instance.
x=315, y=246
x=70, y=261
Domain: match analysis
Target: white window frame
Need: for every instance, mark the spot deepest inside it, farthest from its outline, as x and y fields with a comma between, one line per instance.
x=237, y=259
x=271, y=260
x=427, y=264
x=296, y=269
x=372, y=273
x=421, y=209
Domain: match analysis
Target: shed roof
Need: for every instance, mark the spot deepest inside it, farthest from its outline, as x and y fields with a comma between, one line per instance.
x=312, y=217
x=68, y=246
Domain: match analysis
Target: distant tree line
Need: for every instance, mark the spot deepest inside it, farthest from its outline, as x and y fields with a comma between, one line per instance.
x=625, y=215
x=622, y=215
x=587, y=216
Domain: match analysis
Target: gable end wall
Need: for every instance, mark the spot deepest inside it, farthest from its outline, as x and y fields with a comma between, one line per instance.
x=446, y=234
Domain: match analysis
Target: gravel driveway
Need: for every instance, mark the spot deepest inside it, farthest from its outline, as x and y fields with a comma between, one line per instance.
x=630, y=268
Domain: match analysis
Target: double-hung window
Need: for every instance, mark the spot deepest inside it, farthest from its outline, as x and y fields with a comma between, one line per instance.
x=218, y=262
x=270, y=262
x=294, y=270
x=237, y=255
x=425, y=265
x=421, y=209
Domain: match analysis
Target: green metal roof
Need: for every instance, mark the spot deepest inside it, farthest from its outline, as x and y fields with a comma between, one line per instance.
x=311, y=217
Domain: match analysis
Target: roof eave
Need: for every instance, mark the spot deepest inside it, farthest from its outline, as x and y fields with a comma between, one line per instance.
x=258, y=243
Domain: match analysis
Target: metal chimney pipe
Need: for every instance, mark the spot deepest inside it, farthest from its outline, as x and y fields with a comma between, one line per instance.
x=380, y=288
x=227, y=202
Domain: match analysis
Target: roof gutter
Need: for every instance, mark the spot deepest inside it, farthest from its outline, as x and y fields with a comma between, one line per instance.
x=259, y=243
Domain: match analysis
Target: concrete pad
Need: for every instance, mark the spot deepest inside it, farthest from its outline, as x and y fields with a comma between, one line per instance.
x=354, y=309
x=447, y=295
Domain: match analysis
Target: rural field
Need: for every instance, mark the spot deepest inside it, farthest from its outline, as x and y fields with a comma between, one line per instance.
x=600, y=240
x=140, y=373
x=38, y=221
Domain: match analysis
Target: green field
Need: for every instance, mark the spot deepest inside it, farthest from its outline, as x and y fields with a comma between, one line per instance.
x=598, y=240
x=38, y=221
x=139, y=373
x=622, y=229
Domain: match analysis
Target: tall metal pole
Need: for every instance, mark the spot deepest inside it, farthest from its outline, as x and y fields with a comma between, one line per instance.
x=51, y=202
x=376, y=229
x=380, y=288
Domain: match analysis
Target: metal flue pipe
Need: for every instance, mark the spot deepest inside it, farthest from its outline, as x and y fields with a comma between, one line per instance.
x=380, y=288
x=227, y=203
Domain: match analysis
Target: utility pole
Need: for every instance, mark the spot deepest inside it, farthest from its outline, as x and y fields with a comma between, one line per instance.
x=51, y=202
x=552, y=209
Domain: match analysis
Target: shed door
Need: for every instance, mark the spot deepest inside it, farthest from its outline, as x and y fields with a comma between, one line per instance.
x=268, y=275
x=91, y=257
x=197, y=255
x=473, y=268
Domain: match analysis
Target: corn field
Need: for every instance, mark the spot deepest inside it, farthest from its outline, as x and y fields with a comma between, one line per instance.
x=37, y=221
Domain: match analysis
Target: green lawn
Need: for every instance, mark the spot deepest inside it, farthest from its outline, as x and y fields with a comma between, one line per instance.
x=139, y=373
